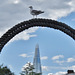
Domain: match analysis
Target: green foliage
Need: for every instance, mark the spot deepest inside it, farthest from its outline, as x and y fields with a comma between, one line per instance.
x=22, y=73
x=4, y=70
x=28, y=70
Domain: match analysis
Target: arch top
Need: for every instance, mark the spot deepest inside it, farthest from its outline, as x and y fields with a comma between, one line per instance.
x=36, y=22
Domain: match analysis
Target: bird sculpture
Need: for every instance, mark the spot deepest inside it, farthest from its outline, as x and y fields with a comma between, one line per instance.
x=35, y=12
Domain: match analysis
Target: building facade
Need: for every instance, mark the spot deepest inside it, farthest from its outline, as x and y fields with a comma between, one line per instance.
x=36, y=62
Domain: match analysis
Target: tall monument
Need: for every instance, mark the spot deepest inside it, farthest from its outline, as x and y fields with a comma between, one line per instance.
x=37, y=62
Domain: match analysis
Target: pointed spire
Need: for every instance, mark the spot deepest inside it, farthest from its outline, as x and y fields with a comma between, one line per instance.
x=37, y=45
x=36, y=61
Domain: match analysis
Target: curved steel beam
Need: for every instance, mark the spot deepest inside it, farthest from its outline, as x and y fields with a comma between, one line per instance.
x=32, y=23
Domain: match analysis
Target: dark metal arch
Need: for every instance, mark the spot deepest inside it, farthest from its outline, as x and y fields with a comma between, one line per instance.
x=32, y=23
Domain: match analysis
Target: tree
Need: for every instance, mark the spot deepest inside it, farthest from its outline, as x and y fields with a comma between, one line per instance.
x=4, y=70
x=28, y=69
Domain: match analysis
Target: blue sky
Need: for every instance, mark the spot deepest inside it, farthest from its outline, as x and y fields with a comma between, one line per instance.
x=57, y=50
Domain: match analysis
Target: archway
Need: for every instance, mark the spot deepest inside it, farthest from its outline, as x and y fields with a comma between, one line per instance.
x=32, y=23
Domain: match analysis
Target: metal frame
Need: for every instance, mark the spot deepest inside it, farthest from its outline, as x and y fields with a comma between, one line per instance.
x=32, y=23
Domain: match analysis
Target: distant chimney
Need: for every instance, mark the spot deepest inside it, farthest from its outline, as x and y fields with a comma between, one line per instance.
x=70, y=71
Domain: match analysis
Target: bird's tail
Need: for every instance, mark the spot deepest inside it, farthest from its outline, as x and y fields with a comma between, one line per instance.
x=42, y=11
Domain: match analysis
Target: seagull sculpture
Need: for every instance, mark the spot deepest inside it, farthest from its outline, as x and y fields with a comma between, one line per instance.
x=35, y=12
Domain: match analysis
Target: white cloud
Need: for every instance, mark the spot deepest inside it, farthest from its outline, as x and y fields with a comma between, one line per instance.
x=57, y=14
x=16, y=1
x=59, y=62
x=57, y=57
x=50, y=73
x=39, y=0
x=60, y=73
x=70, y=59
x=45, y=68
x=50, y=68
x=72, y=4
x=73, y=19
x=25, y=35
x=26, y=65
x=56, y=11
x=23, y=55
x=72, y=67
x=44, y=58
x=10, y=66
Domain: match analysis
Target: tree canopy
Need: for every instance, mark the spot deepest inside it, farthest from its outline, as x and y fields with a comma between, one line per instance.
x=4, y=70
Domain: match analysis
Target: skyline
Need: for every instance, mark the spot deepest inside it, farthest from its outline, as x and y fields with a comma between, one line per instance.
x=57, y=49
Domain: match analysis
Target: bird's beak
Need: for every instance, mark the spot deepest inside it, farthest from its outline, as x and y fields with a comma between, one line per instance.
x=29, y=6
